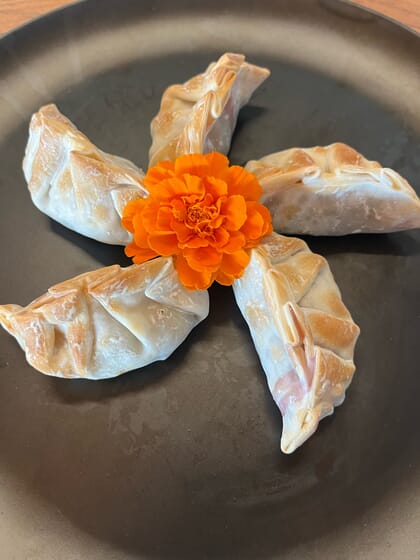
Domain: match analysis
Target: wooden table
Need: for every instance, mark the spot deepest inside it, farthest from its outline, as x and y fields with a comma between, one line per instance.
x=16, y=12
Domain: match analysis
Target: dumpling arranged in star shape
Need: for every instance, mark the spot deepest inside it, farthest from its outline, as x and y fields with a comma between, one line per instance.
x=193, y=219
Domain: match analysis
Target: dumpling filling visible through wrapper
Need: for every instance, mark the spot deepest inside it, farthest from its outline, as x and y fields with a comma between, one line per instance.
x=334, y=190
x=303, y=333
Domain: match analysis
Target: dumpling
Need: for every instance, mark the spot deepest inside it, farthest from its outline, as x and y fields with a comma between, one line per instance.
x=74, y=182
x=200, y=115
x=303, y=333
x=107, y=322
x=334, y=190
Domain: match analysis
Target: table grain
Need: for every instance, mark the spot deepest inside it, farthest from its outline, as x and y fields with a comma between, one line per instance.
x=16, y=12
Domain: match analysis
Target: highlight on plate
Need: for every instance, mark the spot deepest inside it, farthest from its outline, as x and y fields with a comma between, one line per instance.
x=193, y=219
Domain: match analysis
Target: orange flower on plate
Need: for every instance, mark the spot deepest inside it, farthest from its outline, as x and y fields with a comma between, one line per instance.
x=203, y=213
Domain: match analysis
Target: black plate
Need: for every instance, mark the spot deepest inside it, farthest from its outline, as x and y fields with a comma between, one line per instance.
x=182, y=459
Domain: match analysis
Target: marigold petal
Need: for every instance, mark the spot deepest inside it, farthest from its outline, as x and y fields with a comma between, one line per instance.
x=134, y=206
x=218, y=165
x=216, y=187
x=195, y=242
x=236, y=242
x=194, y=164
x=208, y=198
x=217, y=222
x=158, y=173
x=147, y=219
x=235, y=263
x=254, y=225
x=265, y=213
x=258, y=222
x=138, y=254
x=141, y=237
x=190, y=278
x=145, y=255
x=130, y=210
x=131, y=249
x=179, y=210
x=221, y=238
x=182, y=232
x=194, y=185
x=168, y=189
x=127, y=223
x=242, y=182
x=164, y=243
x=203, y=258
x=164, y=218
x=235, y=211
x=213, y=164
x=224, y=278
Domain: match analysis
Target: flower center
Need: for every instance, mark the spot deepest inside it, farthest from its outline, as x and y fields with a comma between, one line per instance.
x=196, y=214
x=199, y=218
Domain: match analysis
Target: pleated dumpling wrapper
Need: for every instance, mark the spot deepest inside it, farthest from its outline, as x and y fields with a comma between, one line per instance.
x=303, y=333
x=200, y=115
x=75, y=183
x=334, y=190
x=107, y=322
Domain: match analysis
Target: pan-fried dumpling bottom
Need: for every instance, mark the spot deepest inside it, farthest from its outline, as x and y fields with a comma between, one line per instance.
x=107, y=322
x=303, y=333
x=200, y=115
x=74, y=182
x=334, y=190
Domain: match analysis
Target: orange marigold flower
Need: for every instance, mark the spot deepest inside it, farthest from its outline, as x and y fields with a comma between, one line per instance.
x=203, y=213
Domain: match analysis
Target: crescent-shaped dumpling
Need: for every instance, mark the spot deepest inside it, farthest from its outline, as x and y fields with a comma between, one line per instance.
x=107, y=322
x=334, y=190
x=303, y=333
x=75, y=183
x=200, y=115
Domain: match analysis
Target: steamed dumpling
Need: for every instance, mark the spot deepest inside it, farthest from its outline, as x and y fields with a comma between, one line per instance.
x=108, y=321
x=200, y=115
x=74, y=182
x=334, y=190
x=303, y=333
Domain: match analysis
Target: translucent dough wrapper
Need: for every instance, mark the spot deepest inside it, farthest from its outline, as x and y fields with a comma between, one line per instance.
x=303, y=333
x=200, y=115
x=75, y=183
x=334, y=190
x=107, y=322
